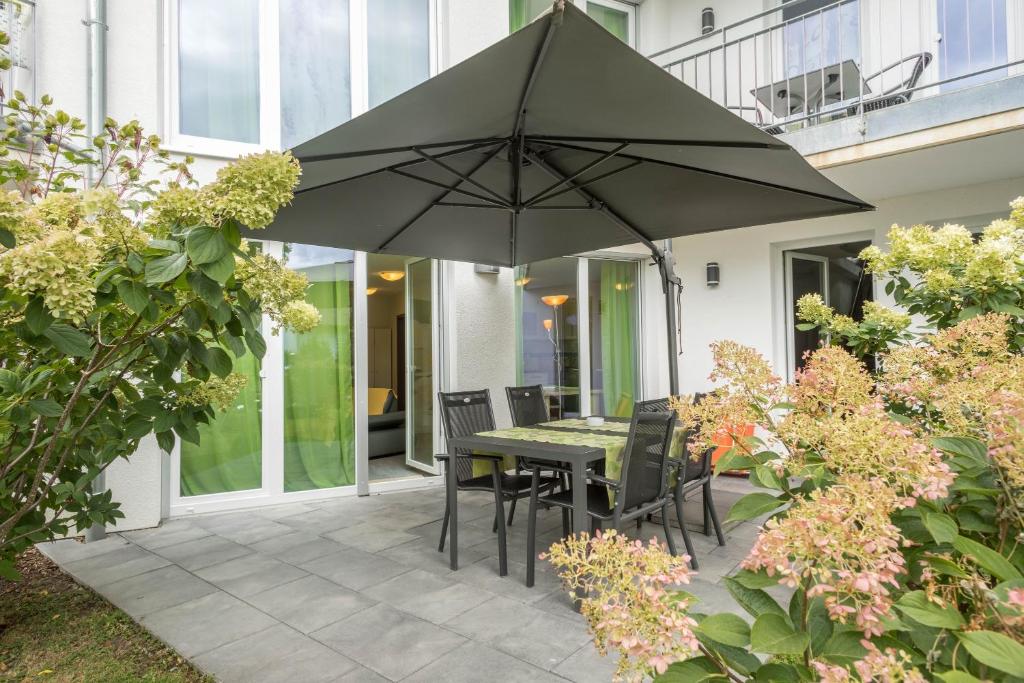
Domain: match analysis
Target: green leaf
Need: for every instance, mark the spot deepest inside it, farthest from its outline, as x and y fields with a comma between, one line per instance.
x=165, y=268
x=7, y=238
x=844, y=648
x=205, y=245
x=8, y=381
x=995, y=650
x=691, y=671
x=754, y=579
x=208, y=289
x=232, y=232
x=7, y=571
x=987, y=558
x=68, y=340
x=962, y=445
x=734, y=459
x=942, y=527
x=218, y=361
x=165, y=440
x=726, y=628
x=943, y=566
x=221, y=269
x=774, y=635
x=753, y=600
x=916, y=606
x=753, y=505
x=46, y=407
x=135, y=295
x=957, y=677
x=256, y=344
x=37, y=318
x=165, y=245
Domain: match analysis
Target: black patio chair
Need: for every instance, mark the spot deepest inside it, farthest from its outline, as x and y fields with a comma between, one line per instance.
x=642, y=487
x=528, y=408
x=691, y=475
x=464, y=413
x=900, y=93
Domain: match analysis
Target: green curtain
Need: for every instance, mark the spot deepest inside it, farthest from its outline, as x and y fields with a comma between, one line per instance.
x=522, y=12
x=319, y=407
x=618, y=335
x=228, y=457
x=614, y=21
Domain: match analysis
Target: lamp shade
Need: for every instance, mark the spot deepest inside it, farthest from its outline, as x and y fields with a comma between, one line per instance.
x=547, y=324
x=370, y=291
x=391, y=275
x=555, y=299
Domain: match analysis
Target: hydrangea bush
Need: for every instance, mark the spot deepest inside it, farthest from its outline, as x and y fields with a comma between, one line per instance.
x=894, y=500
x=126, y=291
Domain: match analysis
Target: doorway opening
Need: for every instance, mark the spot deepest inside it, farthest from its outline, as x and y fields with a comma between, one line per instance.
x=834, y=272
x=400, y=367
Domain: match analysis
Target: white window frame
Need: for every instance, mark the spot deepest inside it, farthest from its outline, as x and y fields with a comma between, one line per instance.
x=628, y=8
x=270, y=78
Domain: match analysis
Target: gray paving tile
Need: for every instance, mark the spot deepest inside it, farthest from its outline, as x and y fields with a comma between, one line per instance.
x=712, y=598
x=206, y=623
x=586, y=665
x=370, y=536
x=422, y=554
x=310, y=550
x=121, y=563
x=259, y=530
x=250, y=574
x=354, y=569
x=535, y=636
x=428, y=596
x=284, y=543
x=310, y=603
x=474, y=662
x=71, y=549
x=362, y=675
x=156, y=590
x=484, y=574
x=203, y=552
x=275, y=655
x=320, y=521
x=390, y=642
x=170, y=533
x=280, y=511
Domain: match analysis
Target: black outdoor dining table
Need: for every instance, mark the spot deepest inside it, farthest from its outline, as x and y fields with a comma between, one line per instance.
x=578, y=458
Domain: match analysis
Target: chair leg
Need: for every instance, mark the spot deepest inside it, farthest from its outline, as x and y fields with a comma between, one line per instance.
x=682, y=527
x=709, y=509
x=566, y=524
x=640, y=522
x=444, y=527
x=499, y=521
x=512, y=510
x=668, y=530
x=531, y=530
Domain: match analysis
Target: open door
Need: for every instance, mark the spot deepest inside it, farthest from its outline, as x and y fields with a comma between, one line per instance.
x=420, y=377
x=805, y=274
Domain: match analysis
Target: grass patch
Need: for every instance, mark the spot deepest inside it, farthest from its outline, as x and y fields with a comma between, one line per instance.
x=53, y=629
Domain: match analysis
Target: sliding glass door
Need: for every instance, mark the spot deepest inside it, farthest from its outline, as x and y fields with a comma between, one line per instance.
x=419, y=345
x=614, y=323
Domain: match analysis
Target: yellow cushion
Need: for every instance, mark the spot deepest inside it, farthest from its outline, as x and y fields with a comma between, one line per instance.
x=375, y=399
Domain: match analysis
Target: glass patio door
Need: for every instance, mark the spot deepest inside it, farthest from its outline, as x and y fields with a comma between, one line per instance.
x=805, y=274
x=420, y=381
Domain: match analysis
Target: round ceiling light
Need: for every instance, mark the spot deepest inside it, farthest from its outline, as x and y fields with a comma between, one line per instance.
x=391, y=275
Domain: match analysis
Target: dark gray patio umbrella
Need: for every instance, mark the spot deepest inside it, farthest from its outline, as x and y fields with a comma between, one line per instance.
x=556, y=140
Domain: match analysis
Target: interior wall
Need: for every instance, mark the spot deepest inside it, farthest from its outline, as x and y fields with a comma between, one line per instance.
x=383, y=309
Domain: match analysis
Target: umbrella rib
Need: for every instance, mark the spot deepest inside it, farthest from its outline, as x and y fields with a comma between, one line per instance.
x=542, y=195
x=720, y=174
x=554, y=21
x=608, y=174
x=448, y=190
x=392, y=150
x=467, y=205
x=597, y=204
x=404, y=164
x=480, y=186
x=779, y=146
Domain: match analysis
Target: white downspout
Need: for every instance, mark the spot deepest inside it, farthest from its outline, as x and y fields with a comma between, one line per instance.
x=96, y=25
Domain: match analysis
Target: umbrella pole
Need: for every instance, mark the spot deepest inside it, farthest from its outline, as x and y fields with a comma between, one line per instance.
x=669, y=282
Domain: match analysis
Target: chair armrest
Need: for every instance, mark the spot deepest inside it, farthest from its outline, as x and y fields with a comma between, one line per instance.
x=610, y=483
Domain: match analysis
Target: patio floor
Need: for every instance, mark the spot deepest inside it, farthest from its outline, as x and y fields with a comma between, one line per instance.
x=353, y=589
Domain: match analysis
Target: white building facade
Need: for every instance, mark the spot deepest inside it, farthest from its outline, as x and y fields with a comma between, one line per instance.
x=932, y=139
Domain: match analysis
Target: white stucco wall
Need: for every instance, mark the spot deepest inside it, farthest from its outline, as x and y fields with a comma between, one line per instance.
x=747, y=305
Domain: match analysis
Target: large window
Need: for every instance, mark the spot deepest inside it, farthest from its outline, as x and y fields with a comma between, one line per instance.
x=578, y=334
x=617, y=17
x=973, y=39
x=248, y=75
x=820, y=34
x=319, y=405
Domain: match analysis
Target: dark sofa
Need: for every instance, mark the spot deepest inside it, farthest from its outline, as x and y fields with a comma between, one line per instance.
x=387, y=430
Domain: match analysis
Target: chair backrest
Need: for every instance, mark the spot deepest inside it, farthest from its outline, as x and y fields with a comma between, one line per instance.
x=701, y=467
x=644, y=475
x=464, y=413
x=527, y=405
x=654, y=405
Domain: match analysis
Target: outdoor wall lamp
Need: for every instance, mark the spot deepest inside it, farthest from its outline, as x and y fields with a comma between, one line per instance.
x=713, y=274
x=707, y=20
x=391, y=275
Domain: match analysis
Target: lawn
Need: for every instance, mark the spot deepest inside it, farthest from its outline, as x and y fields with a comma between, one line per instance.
x=54, y=629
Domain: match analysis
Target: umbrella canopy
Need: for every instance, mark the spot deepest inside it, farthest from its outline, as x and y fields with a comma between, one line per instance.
x=556, y=140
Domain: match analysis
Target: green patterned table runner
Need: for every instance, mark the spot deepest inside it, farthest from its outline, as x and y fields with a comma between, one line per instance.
x=612, y=445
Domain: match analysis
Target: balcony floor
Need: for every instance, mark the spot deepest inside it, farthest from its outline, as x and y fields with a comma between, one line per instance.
x=354, y=589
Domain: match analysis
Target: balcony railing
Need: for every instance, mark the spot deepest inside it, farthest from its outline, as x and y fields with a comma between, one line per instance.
x=16, y=20
x=807, y=61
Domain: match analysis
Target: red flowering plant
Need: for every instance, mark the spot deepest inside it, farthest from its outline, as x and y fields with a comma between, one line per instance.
x=894, y=500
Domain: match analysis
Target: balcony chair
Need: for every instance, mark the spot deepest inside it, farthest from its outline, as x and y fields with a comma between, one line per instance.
x=641, y=489
x=691, y=475
x=464, y=413
x=899, y=93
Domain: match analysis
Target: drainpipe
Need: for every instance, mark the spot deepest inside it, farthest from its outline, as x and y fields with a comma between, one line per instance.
x=96, y=25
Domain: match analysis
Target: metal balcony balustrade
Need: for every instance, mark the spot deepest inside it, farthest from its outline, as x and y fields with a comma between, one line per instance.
x=807, y=62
